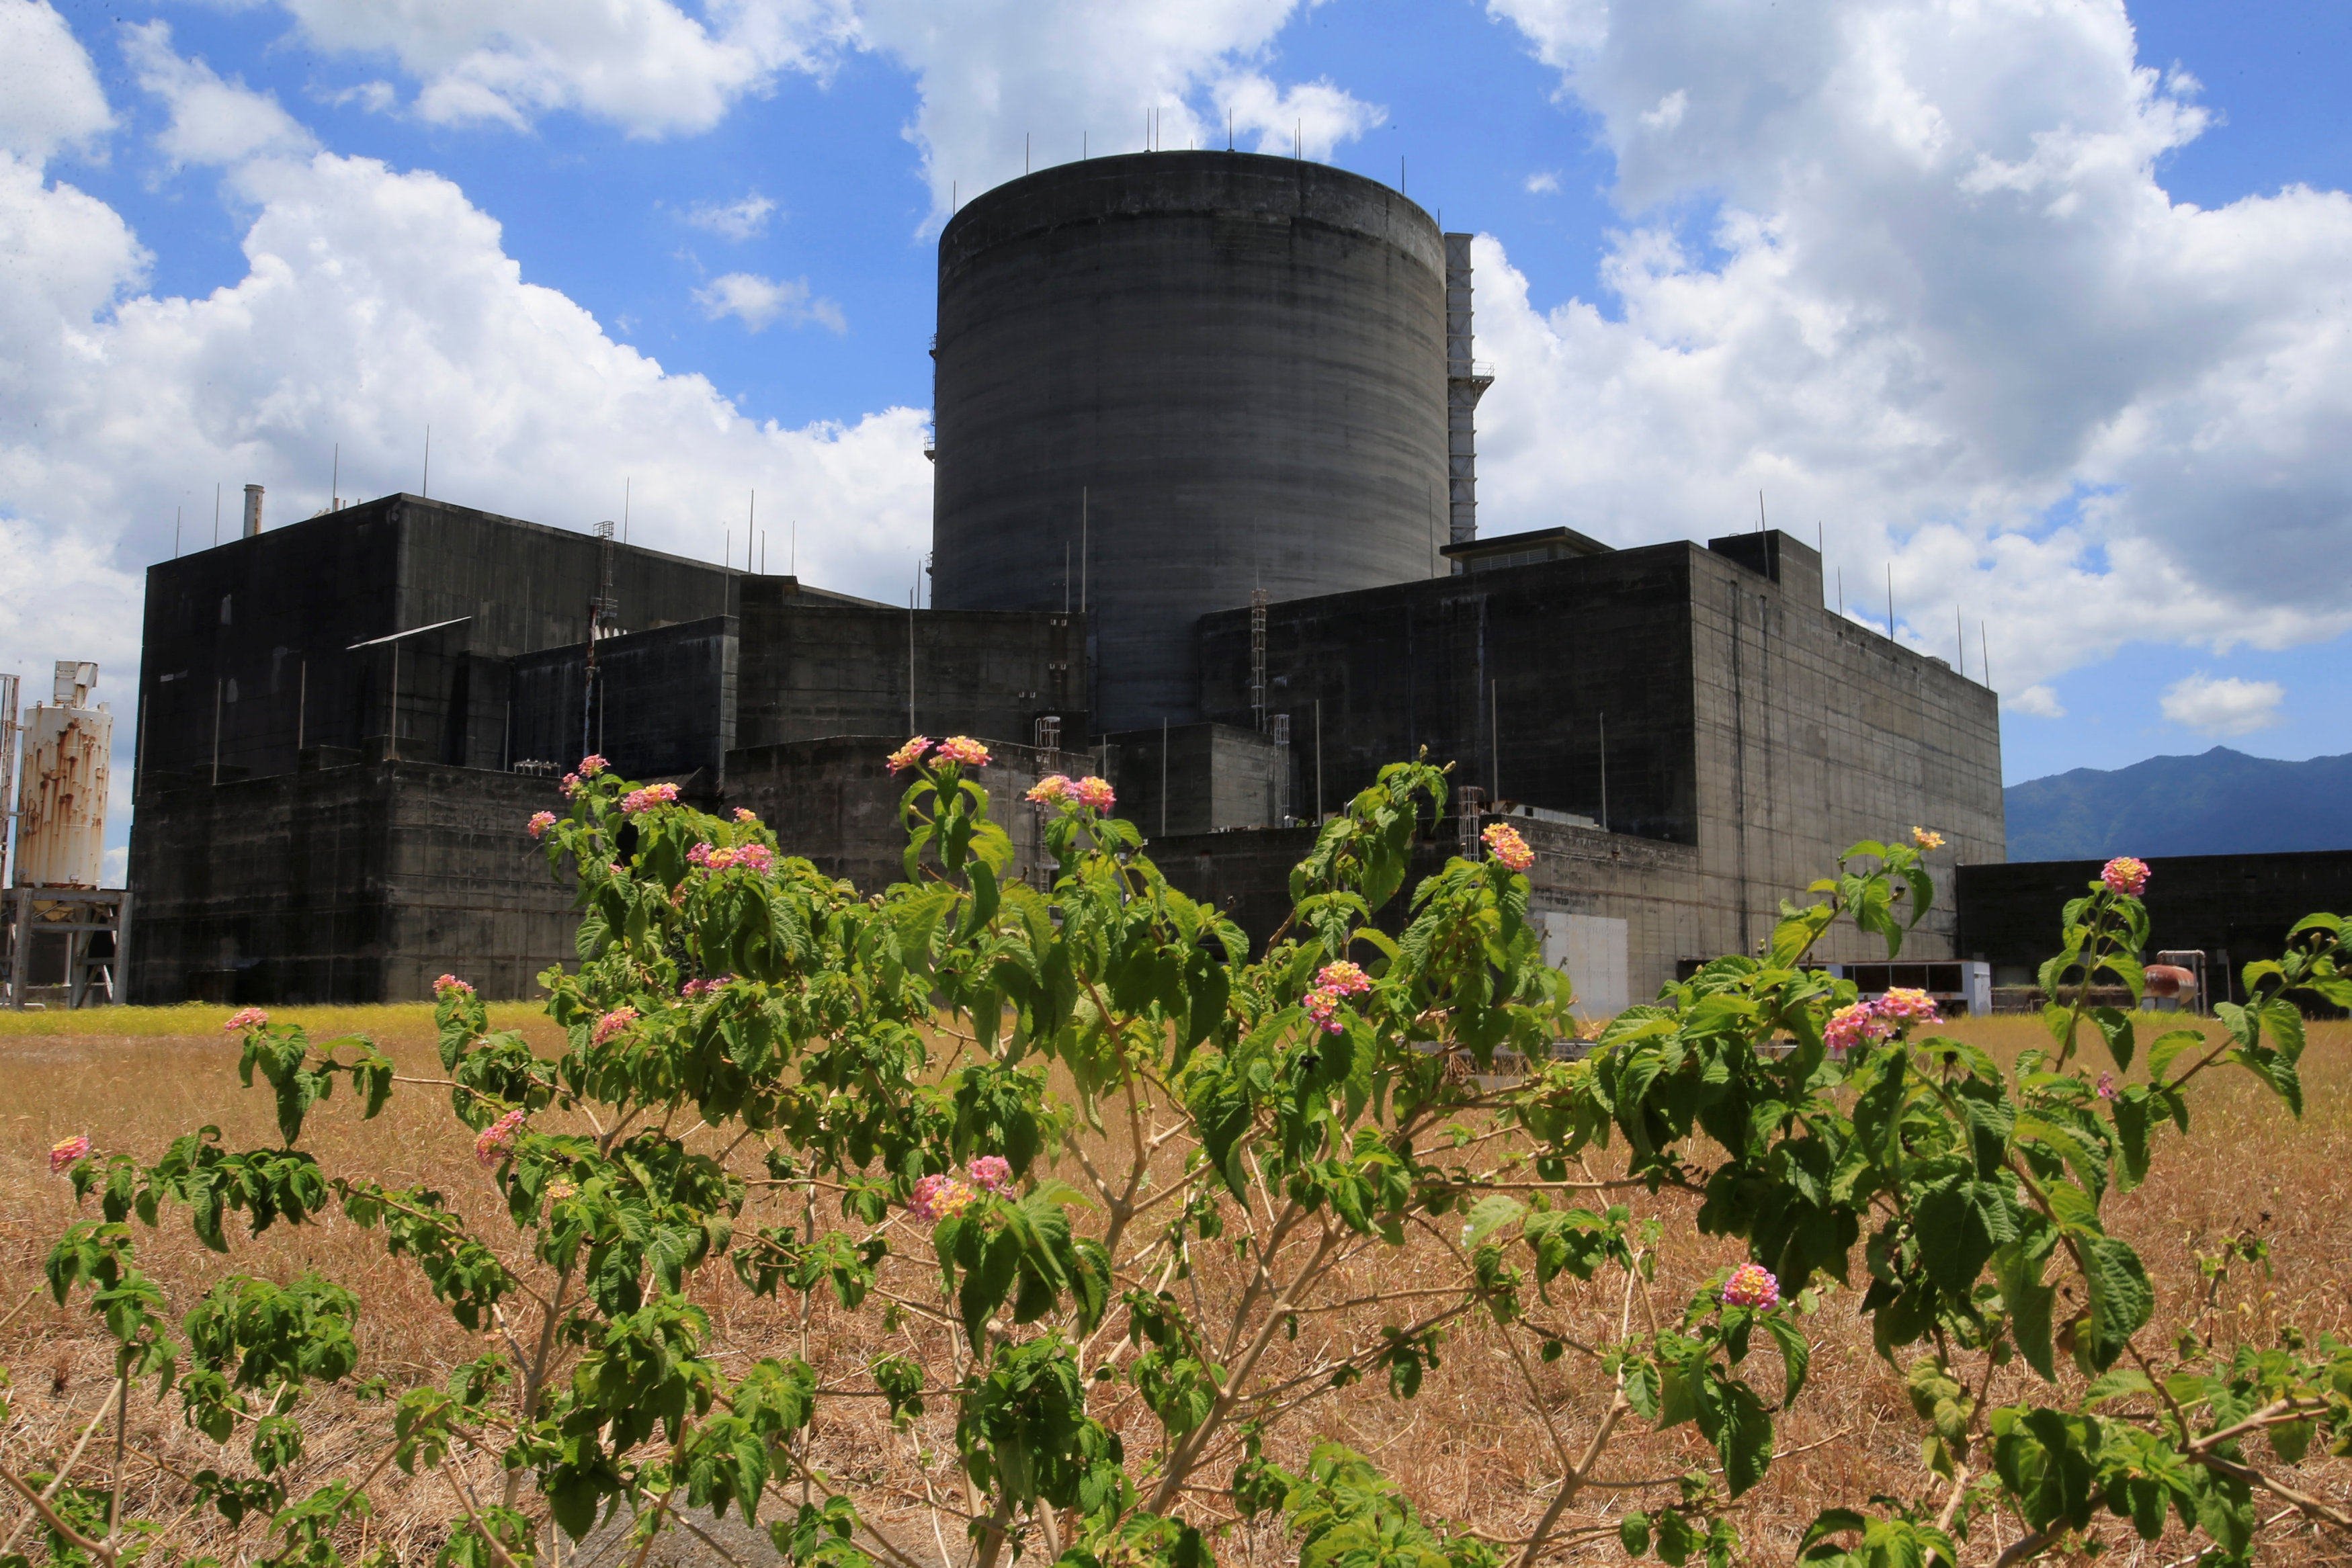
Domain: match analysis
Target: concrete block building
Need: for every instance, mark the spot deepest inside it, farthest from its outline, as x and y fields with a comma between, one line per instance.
x=1204, y=522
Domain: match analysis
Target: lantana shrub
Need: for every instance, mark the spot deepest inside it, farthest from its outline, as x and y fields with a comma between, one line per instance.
x=1094, y=1164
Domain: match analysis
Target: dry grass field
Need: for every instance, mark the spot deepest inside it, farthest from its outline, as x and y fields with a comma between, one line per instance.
x=1469, y=1448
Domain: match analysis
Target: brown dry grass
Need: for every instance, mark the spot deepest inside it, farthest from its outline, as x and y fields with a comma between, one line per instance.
x=1471, y=1448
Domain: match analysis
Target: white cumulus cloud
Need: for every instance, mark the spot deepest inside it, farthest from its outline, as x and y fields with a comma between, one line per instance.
x=213, y=121
x=2038, y=700
x=373, y=302
x=1937, y=302
x=49, y=96
x=650, y=67
x=2230, y=705
x=760, y=302
x=743, y=219
x=1009, y=83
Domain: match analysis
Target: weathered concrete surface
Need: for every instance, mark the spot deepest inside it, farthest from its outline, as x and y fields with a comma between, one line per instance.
x=663, y=706
x=1240, y=359
x=356, y=883
x=833, y=802
x=251, y=642
x=1744, y=722
x=1218, y=777
x=812, y=670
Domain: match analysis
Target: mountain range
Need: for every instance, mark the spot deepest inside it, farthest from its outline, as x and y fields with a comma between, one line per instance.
x=2219, y=803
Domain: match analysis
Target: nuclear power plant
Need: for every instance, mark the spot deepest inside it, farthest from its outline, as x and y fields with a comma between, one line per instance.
x=1205, y=522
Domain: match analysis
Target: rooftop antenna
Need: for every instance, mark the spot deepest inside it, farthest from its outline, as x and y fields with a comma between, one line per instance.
x=601, y=610
x=1890, y=600
x=1761, y=526
x=1082, y=153
x=424, y=485
x=1298, y=139
x=335, y=484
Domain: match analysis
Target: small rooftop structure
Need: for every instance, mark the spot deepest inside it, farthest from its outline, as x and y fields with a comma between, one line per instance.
x=1522, y=548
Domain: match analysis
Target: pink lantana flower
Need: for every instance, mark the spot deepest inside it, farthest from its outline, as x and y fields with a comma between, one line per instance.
x=755, y=857
x=498, y=1139
x=1751, y=1285
x=2125, y=875
x=244, y=1019
x=66, y=1151
x=1322, y=1005
x=938, y=1197
x=540, y=822
x=1346, y=978
x=2107, y=1086
x=991, y=1172
x=907, y=756
x=1503, y=842
x=613, y=1023
x=572, y=784
x=698, y=855
x=1903, y=1005
x=745, y=815
x=445, y=983
x=646, y=798
x=962, y=748
x=1096, y=794
x=592, y=764
x=1853, y=1025
x=1052, y=789
x=696, y=989
x=1927, y=838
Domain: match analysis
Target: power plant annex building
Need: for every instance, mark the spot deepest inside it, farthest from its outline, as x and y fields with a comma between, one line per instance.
x=1204, y=521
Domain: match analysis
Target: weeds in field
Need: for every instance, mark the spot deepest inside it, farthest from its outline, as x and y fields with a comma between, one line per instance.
x=1097, y=1221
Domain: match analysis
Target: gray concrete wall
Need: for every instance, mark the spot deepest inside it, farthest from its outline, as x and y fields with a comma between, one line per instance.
x=811, y=670
x=664, y=705
x=1515, y=675
x=1239, y=359
x=348, y=885
x=259, y=632
x=1217, y=777
x=1813, y=733
x=833, y=802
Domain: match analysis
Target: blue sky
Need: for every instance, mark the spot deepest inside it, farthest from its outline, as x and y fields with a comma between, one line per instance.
x=2042, y=304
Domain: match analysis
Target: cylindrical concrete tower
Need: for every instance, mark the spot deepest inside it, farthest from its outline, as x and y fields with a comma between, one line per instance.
x=1234, y=366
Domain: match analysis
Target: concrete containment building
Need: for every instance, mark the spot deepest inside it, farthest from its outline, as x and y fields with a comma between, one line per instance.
x=1167, y=380
x=1204, y=522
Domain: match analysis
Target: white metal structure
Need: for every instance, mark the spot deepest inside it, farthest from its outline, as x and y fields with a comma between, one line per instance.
x=61, y=807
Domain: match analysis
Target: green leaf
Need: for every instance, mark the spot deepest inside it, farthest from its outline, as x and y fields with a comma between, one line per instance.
x=2116, y=1027
x=2121, y=1298
x=2168, y=1048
